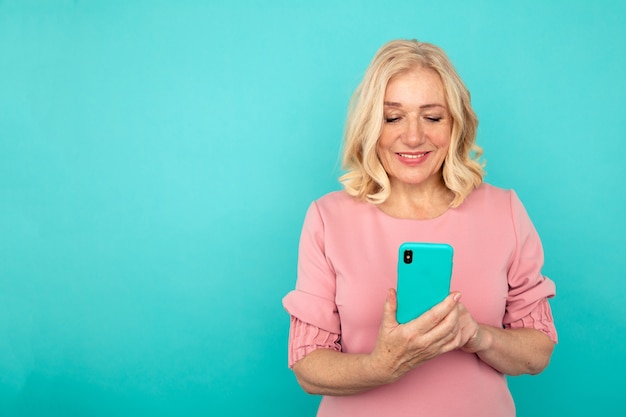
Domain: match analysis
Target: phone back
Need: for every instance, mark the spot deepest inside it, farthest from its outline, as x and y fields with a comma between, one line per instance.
x=424, y=272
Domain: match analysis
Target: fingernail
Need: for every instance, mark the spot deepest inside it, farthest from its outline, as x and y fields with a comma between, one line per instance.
x=457, y=296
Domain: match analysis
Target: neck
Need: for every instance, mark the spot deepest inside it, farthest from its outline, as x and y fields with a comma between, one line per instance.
x=421, y=202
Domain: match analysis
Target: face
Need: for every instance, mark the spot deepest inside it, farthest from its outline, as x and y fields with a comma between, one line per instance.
x=416, y=130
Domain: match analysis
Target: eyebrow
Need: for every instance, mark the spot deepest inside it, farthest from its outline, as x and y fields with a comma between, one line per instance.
x=425, y=106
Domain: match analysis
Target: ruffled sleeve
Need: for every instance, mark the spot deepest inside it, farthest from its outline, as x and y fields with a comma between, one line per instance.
x=529, y=290
x=540, y=319
x=313, y=301
x=304, y=338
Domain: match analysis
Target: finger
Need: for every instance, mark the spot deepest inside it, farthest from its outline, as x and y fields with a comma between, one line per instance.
x=389, y=310
x=433, y=317
x=454, y=341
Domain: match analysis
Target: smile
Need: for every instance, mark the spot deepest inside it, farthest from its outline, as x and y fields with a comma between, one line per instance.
x=412, y=156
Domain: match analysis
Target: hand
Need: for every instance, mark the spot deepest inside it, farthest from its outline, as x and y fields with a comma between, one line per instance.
x=471, y=335
x=402, y=347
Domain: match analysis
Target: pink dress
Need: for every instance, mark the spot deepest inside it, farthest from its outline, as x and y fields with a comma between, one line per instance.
x=347, y=261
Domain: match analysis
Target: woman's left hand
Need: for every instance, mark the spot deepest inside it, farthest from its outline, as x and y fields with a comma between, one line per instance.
x=472, y=335
x=510, y=351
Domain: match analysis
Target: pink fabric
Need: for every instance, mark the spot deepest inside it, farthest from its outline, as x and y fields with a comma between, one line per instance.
x=304, y=338
x=540, y=319
x=347, y=260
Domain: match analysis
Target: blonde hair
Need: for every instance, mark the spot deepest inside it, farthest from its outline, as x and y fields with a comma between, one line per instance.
x=365, y=177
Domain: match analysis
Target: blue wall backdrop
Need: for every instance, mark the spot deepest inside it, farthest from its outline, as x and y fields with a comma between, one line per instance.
x=157, y=159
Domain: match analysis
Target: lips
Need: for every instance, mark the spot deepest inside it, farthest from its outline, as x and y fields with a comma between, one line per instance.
x=413, y=159
x=412, y=155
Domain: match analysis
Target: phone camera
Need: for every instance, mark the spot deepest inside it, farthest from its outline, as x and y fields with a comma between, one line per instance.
x=408, y=256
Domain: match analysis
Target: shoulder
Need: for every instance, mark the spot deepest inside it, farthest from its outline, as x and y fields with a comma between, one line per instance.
x=490, y=196
x=495, y=204
x=488, y=191
x=339, y=201
x=340, y=211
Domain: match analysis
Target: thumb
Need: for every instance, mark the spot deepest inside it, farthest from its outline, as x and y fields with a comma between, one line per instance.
x=389, y=310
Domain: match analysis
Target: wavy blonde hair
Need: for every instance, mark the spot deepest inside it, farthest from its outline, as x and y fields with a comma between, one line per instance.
x=365, y=177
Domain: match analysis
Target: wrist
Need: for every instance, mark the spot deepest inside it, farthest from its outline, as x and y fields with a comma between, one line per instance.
x=486, y=338
x=378, y=371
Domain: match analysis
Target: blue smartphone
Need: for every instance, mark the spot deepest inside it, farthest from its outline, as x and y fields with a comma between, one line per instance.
x=424, y=272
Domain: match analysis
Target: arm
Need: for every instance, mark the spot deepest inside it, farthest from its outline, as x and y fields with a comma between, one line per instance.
x=399, y=348
x=510, y=351
x=522, y=350
x=328, y=372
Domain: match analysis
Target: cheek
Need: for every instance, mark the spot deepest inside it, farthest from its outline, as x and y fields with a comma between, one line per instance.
x=383, y=142
x=386, y=141
x=443, y=141
x=443, y=152
x=380, y=154
x=381, y=147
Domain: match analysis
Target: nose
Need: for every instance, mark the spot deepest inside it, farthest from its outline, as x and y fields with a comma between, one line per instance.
x=414, y=134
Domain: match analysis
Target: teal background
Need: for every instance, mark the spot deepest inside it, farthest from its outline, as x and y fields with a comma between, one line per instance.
x=157, y=159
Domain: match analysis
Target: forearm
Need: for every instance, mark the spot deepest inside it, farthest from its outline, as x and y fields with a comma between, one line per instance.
x=328, y=372
x=515, y=351
x=398, y=350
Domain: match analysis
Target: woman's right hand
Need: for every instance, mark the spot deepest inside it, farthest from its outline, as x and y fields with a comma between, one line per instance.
x=399, y=348
x=402, y=347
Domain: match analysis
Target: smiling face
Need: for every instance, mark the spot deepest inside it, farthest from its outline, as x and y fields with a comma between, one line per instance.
x=416, y=130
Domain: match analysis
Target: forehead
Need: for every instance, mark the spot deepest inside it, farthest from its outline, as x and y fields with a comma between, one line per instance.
x=416, y=85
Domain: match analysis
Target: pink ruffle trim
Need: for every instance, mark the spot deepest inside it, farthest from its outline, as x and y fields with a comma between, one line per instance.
x=304, y=338
x=540, y=318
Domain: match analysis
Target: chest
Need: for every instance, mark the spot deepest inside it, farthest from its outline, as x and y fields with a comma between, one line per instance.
x=366, y=266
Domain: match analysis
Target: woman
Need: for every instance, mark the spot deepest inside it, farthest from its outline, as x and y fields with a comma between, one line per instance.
x=413, y=175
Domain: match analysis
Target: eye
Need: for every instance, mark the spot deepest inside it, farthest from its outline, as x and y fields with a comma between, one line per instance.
x=434, y=119
x=392, y=119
